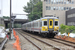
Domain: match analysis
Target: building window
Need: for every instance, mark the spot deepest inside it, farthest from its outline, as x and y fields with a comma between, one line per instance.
x=67, y=2
x=71, y=15
x=46, y=7
x=49, y=1
x=52, y=1
x=62, y=8
x=46, y=1
x=71, y=23
x=69, y=8
x=72, y=7
x=72, y=1
x=59, y=8
x=60, y=1
x=49, y=8
x=54, y=8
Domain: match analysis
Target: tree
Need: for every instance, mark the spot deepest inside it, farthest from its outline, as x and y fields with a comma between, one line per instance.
x=35, y=12
x=62, y=28
x=67, y=29
x=6, y=17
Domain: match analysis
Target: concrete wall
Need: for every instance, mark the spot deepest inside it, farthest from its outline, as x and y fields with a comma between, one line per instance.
x=2, y=22
x=70, y=20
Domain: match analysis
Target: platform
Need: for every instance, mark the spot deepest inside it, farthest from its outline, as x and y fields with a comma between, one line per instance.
x=2, y=39
x=9, y=45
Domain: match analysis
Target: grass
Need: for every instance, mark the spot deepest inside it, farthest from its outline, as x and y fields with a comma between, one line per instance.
x=1, y=25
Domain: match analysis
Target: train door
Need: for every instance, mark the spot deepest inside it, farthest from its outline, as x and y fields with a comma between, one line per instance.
x=50, y=23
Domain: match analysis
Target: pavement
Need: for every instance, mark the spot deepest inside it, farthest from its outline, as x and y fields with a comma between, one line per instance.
x=9, y=45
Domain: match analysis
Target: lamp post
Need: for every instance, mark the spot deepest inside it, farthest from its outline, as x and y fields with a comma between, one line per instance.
x=10, y=19
x=1, y=8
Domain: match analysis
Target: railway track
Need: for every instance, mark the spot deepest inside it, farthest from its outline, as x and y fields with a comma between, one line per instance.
x=55, y=48
x=71, y=44
x=2, y=44
x=67, y=43
x=65, y=40
x=30, y=41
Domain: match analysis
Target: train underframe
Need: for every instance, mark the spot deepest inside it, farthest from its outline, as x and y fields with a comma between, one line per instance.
x=49, y=34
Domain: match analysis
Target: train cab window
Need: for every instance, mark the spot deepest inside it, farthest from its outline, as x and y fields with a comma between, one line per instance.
x=45, y=22
x=50, y=22
x=56, y=23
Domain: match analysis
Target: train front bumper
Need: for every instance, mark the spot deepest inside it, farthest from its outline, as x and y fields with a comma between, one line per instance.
x=44, y=31
x=49, y=32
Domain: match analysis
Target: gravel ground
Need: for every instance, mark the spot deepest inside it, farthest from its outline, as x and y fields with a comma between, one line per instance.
x=26, y=45
x=9, y=45
x=64, y=42
x=59, y=45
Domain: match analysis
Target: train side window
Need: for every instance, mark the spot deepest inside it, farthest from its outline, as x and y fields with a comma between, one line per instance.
x=56, y=23
x=31, y=24
x=40, y=23
x=45, y=22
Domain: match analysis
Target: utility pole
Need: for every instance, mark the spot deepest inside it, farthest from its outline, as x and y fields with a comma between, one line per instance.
x=10, y=19
x=1, y=8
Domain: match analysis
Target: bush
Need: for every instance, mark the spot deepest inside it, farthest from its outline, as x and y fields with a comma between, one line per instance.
x=67, y=29
x=1, y=25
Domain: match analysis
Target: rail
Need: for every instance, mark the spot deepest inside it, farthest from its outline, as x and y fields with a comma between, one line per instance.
x=42, y=41
x=2, y=44
x=30, y=41
x=63, y=42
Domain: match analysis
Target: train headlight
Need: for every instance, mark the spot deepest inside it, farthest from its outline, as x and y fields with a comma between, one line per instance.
x=44, y=28
x=56, y=28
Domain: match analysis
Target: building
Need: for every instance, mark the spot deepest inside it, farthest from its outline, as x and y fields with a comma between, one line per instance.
x=70, y=17
x=0, y=8
x=2, y=22
x=57, y=8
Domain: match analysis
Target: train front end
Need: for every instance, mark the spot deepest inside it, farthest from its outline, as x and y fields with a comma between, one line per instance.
x=50, y=26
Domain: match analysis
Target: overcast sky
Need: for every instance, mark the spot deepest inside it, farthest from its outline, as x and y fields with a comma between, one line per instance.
x=17, y=7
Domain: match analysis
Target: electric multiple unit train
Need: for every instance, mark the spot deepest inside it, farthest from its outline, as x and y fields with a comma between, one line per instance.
x=47, y=26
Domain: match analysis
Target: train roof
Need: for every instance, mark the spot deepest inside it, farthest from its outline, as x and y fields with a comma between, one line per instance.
x=41, y=19
x=50, y=17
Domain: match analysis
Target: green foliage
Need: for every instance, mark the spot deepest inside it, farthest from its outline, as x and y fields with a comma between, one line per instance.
x=1, y=25
x=6, y=17
x=63, y=26
x=67, y=29
x=61, y=30
x=17, y=26
x=34, y=9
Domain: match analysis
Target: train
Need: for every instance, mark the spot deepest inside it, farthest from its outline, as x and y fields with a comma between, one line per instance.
x=46, y=26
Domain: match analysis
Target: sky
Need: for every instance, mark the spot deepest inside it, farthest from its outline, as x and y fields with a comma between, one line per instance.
x=17, y=8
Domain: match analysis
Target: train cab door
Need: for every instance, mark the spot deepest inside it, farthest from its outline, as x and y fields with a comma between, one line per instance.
x=50, y=23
